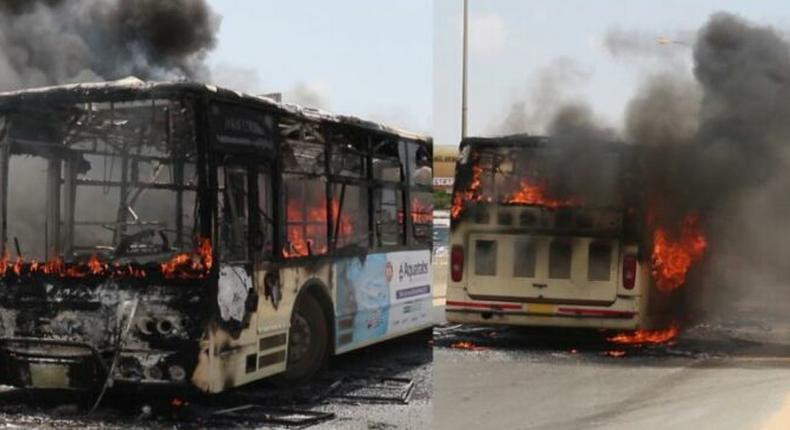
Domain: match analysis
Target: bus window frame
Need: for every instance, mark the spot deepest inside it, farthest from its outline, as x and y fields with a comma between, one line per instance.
x=364, y=142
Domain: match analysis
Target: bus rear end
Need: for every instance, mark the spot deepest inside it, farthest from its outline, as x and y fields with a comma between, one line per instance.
x=548, y=235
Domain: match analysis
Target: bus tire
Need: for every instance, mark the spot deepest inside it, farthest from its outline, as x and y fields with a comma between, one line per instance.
x=308, y=342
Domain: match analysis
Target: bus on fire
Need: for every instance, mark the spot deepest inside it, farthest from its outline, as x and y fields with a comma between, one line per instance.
x=553, y=232
x=177, y=233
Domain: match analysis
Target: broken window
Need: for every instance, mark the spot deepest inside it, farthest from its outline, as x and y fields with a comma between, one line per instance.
x=350, y=212
x=232, y=223
x=347, y=159
x=116, y=179
x=422, y=216
x=264, y=239
x=420, y=164
x=388, y=212
x=304, y=150
x=387, y=165
x=306, y=216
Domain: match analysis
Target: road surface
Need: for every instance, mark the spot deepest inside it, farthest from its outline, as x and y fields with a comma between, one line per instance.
x=715, y=376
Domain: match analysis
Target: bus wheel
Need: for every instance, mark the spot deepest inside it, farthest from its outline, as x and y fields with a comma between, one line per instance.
x=308, y=341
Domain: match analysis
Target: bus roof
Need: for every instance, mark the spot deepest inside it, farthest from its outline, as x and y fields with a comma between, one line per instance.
x=532, y=141
x=132, y=88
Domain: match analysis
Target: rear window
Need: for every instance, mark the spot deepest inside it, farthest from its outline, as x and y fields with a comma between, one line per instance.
x=550, y=177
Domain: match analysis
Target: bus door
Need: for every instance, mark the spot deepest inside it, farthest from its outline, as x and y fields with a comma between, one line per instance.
x=245, y=231
x=236, y=273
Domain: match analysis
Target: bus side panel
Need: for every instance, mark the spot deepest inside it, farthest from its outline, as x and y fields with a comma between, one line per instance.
x=381, y=296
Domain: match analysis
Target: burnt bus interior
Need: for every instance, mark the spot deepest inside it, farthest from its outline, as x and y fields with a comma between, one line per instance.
x=520, y=171
x=119, y=200
x=531, y=186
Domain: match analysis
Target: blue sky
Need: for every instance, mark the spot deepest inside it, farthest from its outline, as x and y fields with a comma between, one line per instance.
x=513, y=41
x=367, y=58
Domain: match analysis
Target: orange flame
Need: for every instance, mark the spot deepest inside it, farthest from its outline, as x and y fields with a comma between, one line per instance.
x=528, y=193
x=190, y=265
x=672, y=259
x=182, y=266
x=304, y=232
x=640, y=337
x=460, y=197
x=535, y=194
x=467, y=345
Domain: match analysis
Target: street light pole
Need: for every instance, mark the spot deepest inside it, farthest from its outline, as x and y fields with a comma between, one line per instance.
x=464, y=106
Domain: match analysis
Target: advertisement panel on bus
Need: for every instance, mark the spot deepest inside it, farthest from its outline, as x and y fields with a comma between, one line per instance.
x=380, y=295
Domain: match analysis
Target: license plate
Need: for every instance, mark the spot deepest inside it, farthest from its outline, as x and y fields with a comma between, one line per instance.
x=540, y=308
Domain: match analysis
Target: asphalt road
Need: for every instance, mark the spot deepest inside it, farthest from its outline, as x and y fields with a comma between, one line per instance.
x=721, y=375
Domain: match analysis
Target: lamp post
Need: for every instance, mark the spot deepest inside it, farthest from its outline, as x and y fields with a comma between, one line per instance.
x=464, y=67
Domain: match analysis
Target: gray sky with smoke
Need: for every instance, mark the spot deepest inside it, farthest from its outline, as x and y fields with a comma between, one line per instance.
x=45, y=42
x=371, y=59
x=711, y=115
x=515, y=44
x=319, y=55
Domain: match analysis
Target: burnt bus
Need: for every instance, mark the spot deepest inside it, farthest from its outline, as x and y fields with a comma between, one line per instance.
x=547, y=232
x=186, y=235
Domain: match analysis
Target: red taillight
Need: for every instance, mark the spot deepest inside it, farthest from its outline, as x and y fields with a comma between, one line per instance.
x=629, y=271
x=457, y=263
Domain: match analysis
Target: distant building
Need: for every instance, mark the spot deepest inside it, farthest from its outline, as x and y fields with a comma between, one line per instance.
x=443, y=174
x=444, y=167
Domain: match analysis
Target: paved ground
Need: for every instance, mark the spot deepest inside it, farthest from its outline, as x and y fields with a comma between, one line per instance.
x=721, y=375
x=409, y=358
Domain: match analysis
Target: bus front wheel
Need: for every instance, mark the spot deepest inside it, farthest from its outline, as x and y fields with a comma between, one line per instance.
x=308, y=341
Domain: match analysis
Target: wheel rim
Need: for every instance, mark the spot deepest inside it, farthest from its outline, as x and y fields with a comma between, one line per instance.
x=301, y=338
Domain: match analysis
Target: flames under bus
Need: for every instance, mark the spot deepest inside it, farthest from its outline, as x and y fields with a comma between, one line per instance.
x=550, y=233
x=181, y=234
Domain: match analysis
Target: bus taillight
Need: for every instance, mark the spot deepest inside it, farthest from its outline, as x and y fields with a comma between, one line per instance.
x=457, y=263
x=629, y=271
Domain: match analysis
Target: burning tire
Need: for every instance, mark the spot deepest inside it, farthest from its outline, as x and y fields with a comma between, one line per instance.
x=308, y=341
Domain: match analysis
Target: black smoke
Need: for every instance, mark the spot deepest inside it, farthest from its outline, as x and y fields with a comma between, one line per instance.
x=716, y=143
x=46, y=42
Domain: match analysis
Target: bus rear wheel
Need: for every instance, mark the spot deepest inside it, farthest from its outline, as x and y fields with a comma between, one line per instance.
x=308, y=342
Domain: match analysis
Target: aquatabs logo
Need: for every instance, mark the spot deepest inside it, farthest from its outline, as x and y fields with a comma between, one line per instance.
x=411, y=270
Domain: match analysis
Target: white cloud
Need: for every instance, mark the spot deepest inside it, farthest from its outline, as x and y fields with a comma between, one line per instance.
x=487, y=34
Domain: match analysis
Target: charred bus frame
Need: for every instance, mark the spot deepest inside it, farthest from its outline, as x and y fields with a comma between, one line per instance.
x=516, y=289
x=217, y=303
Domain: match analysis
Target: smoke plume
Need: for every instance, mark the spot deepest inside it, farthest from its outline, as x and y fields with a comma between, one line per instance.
x=550, y=91
x=716, y=142
x=46, y=42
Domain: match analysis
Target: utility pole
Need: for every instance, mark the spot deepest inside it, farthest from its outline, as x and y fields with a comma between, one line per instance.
x=464, y=67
